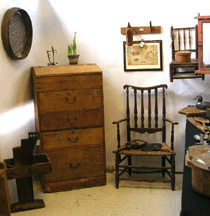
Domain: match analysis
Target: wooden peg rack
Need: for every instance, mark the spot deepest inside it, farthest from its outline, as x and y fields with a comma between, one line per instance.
x=143, y=30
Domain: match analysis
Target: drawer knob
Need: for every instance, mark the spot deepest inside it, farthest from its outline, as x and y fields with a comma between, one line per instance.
x=74, y=140
x=72, y=121
x=70, y=100
x=74, y=166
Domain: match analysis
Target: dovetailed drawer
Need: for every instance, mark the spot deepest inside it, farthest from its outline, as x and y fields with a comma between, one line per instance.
x=72, y=138
x=69, y=113
x=65, y=100
x=71, y=119
x=76, y=163
x=68, y=82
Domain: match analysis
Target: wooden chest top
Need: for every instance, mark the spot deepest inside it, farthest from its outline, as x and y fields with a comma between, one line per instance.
x=42, y=71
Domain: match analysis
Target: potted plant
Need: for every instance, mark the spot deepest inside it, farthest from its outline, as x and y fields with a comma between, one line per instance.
x=72, y=52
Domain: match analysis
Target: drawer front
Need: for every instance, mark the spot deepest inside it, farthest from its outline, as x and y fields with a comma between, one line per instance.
x=76, y=163
x=65, y=100
x=68, y=82
x=71, y=119
x=72, y=138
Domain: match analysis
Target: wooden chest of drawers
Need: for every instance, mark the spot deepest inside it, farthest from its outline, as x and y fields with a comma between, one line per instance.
x=69, y=115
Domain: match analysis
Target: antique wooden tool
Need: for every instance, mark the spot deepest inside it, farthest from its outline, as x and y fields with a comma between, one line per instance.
x=4, y=192
x=22, y=167
x=201, y=174
x=197, y=124
x=203, y=121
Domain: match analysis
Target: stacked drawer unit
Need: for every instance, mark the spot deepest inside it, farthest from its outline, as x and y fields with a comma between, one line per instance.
x=69, y=115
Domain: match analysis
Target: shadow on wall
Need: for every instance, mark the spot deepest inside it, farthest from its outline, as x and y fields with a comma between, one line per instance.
x=13, y=126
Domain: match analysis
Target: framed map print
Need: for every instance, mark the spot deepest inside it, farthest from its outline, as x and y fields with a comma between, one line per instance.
x=143, y=56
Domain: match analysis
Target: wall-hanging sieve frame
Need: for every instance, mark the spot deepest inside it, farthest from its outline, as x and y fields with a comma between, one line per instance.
x=17, y=33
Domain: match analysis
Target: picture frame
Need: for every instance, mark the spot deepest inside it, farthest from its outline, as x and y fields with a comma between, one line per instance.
x=143, y=56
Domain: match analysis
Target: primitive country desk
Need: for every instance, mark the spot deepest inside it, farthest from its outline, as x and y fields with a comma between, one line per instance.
x=193, y=204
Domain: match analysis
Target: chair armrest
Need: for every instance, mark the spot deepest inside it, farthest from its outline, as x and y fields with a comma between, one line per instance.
x=118, y=122
x=172, y=122
x=172, y=131
x=118, y=130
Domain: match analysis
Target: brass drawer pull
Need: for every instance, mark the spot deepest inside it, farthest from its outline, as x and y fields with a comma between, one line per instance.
x=70, y=101
x=74, y=140
x=74, y=167
x=72, y=121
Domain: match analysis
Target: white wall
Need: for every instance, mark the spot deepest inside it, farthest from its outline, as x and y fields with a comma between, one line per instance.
x=99, y=40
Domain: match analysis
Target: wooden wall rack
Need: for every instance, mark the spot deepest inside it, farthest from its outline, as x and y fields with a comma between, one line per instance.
x=143, y=29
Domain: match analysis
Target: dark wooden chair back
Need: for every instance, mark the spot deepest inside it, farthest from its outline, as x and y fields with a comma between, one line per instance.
x=184, y=39
x=146, y=109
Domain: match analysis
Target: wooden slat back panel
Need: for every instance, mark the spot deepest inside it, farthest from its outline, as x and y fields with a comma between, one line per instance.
x=144, y=105
x=184, y=39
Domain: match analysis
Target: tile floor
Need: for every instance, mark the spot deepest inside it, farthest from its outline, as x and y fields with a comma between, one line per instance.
x=131, y=199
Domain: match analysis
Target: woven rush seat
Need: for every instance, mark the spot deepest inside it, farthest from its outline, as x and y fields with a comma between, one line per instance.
x=165, y=151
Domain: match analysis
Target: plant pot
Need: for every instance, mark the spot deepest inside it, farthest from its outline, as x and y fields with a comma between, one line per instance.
x=73, y=59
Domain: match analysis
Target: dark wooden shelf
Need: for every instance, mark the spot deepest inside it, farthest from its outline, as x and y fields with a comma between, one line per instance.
x=188, y=75
x=191, y=111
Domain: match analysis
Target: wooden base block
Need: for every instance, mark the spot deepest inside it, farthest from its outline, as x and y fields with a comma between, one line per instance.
x=17, y=207
x=50, y=187
x=4, y=192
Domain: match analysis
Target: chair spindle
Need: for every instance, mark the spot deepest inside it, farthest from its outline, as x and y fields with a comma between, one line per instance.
x=156, y=108
x=149, y=108
x=190, y=42
x=142, y=108
x=184, y=38
x=135, y=108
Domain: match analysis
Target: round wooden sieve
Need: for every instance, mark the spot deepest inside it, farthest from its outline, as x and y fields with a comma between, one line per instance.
x=16, y=33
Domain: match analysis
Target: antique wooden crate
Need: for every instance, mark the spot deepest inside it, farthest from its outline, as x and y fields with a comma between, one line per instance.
x=70, y=118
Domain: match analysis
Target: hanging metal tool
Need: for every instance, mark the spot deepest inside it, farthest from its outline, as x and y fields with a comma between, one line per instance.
x=53, y=56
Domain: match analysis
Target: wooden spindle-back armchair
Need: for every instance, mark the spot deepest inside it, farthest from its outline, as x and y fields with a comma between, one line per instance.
x=184, y=39
x=146, y=114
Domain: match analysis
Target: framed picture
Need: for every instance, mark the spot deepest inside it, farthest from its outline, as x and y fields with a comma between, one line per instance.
x=143, y=56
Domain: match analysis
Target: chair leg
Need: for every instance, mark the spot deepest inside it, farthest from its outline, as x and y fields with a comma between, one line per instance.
x=117, y=170
x=129, y=163
x=173, y=172
x=163, y=165
x=171, y=72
